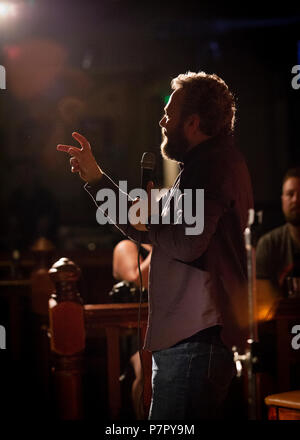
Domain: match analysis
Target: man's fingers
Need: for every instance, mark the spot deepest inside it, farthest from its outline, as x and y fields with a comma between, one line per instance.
x=82, y=159
x=73, y=151
x=74, y=162
x=65, y=148
x=75, y=169
x=82, y=140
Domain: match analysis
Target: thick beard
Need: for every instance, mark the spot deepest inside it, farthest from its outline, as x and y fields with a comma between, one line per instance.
x=174, y=146
x=293, y=218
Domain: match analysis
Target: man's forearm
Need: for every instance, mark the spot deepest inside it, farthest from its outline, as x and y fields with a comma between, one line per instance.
x=127, y=229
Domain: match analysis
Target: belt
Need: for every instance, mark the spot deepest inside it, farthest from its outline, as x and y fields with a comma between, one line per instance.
x=209, y=335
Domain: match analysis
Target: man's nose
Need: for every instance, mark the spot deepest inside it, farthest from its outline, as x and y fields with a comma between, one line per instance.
x=162, y=122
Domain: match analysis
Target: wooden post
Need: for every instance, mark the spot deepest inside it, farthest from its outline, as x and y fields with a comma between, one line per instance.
x=67, y=339
x=41, y=289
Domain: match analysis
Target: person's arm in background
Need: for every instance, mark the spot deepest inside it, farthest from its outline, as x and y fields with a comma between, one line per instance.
x=125, y=263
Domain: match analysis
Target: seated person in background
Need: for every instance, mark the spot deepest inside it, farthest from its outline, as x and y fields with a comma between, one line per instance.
x=278, y=251
x=125, y=267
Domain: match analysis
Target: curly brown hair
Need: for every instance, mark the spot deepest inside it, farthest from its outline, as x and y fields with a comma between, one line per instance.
x=208, y=96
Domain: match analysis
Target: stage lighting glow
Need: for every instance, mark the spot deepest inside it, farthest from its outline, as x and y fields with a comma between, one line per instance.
x=7, y=10
x=166, y=99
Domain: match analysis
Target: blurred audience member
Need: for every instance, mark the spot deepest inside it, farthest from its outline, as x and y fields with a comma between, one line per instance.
x=125, y=267
x=278, y=251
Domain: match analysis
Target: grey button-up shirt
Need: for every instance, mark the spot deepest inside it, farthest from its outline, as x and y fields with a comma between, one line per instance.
x=198, y=281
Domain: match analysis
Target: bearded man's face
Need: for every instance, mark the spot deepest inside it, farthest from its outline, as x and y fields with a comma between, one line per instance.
x=291, y=200
x=174, y=143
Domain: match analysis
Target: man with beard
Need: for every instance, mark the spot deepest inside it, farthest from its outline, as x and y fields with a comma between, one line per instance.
x=197, y=282
x=278, y=251
x=277, y=259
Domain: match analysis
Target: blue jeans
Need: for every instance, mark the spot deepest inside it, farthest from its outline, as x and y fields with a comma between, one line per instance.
x=190, y=381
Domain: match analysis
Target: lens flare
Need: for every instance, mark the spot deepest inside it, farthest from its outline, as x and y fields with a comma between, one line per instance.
x=7, y=10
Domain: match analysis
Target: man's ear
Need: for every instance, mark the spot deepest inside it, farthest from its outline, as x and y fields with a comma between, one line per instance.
x=192, y=123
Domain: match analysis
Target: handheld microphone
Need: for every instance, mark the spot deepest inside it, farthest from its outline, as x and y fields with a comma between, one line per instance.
x=147, y=167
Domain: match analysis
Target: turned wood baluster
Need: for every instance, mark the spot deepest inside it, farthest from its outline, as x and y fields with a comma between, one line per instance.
x=41, y=289
x=67, y=339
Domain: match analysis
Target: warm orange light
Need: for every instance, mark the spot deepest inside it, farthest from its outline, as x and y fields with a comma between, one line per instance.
x=266, y=313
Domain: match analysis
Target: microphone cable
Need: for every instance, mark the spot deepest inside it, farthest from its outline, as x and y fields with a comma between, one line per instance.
x=141, y=398
x=147, y=166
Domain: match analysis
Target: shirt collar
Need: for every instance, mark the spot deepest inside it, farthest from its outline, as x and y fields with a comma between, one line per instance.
x=202, y=148
x=195, y=151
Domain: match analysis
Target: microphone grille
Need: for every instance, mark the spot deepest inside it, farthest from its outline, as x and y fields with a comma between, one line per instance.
x=148, y=161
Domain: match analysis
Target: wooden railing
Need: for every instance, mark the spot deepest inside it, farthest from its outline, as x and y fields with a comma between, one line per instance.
x=109, y=320
x=112, y=318
x=70, y=324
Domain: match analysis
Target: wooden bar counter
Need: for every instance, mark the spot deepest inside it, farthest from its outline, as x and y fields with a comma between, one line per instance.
x=112, y=318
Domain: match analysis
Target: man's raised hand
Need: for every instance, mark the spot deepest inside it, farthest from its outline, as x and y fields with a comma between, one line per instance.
x=82, y=160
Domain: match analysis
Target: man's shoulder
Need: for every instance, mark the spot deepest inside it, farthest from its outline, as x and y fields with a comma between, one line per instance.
x=228, y=159
x=273, y=253
x=217, y=160
x=275, y=236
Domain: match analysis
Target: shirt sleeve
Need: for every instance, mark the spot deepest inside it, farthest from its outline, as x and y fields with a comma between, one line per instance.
x=263, y=264
x=174, y=239
x=106, y=183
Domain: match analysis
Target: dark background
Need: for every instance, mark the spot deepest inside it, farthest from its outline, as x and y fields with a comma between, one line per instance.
x=104, y=68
